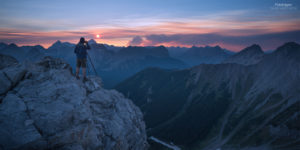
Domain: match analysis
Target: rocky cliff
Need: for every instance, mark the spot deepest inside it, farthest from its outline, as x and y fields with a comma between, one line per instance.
x=43, y=106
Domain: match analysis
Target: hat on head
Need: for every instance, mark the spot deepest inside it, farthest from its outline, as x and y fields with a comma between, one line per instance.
x=82, y=40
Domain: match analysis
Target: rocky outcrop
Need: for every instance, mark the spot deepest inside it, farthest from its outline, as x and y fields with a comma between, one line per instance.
x=43, y=106
x=7, y=61
x=11, y=72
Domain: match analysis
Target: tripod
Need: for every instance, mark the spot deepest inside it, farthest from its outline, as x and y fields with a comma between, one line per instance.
x=90, y=60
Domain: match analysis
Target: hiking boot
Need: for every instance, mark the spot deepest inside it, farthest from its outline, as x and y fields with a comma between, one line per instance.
x=77, y=77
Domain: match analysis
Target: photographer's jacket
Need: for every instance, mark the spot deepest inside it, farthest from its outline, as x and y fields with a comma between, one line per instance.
x=81, y=50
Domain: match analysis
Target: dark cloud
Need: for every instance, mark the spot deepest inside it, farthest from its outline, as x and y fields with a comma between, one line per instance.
x=137, y=40
x=268, y=41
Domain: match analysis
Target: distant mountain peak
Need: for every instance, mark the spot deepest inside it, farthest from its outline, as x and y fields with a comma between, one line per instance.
x=39, y=46
x=255, y=46
x=92, y=41
x=206, y=54
x=12, y=45
x=253, y=49
x=291, y=43
x=248, y=56
x=289, y=46
x=138, y=51
x=94, y=44
x=161, y=46
x=57, y=42
x=290, y=49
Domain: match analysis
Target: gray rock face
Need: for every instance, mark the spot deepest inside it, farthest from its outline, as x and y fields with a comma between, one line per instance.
x=45, y=107
x=10, y=73
x=7, y=61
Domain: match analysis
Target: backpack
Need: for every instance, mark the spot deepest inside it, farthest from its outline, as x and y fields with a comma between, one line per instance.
x=80, y=49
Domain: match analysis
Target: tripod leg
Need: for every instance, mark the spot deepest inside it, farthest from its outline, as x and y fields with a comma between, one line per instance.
x=92, y=64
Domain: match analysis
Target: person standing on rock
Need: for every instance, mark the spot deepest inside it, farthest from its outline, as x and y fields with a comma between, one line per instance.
x=81, y=54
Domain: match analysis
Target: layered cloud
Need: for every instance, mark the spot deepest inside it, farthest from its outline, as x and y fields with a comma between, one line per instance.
x=231, y=29
x=25, y=37
x=268, y=40
x=137, y=40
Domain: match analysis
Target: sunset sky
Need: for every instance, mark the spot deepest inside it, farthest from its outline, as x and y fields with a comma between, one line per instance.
x=232, y=24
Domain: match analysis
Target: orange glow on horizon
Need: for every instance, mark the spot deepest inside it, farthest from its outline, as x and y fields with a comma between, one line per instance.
x=122, y=35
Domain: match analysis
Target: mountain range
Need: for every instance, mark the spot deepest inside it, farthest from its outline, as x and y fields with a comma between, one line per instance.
x=196, y=98
x=251, y=101
x=23, y=53
x=208, y=55
x=115, y=64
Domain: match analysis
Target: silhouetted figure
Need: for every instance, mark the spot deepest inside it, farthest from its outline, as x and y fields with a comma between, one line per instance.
x=81, y=53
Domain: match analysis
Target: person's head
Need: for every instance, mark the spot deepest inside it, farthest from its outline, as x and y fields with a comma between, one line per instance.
x=82, y=40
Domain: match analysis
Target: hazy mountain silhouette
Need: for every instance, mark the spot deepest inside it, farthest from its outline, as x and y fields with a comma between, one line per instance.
x=113, y=64
x=248, y=56
x=23, y=53
x=204, y=55
x=128, y=61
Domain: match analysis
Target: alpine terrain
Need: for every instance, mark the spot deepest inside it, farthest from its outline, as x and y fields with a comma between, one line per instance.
x=224, y=106
x=114, y=64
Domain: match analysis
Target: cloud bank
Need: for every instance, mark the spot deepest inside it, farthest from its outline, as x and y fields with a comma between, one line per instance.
x=267, y=41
